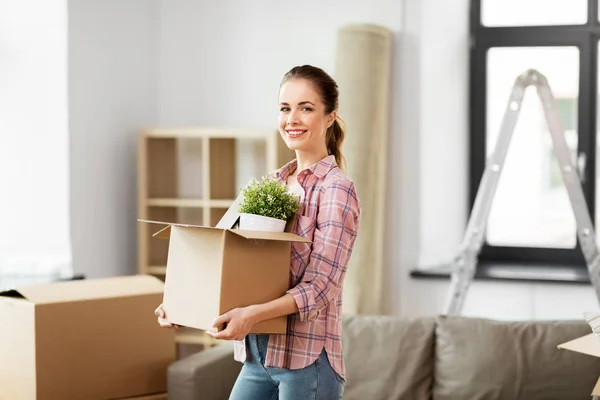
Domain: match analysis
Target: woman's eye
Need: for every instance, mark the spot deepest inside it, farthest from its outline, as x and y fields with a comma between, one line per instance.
x=307, y=109
x=284, y=109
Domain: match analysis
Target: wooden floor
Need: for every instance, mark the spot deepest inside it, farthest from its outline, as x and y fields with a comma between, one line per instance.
x=159, y=396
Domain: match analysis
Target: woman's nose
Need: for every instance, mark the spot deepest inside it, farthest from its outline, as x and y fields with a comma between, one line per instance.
x=292, y=118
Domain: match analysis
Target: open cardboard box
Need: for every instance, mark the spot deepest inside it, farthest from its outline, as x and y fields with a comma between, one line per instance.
x=213, y=270
x=588, y=344
x=85, y=339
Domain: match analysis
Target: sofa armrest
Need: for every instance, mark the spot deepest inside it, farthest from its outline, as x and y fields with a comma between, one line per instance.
x=206, y=375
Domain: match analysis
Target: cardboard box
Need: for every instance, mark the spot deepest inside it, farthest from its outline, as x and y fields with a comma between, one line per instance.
x=588, y=344
x=86, y=339
x=211, y=270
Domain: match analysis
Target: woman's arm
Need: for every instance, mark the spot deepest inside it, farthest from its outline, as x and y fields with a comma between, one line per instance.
x=334, y=237
x=284, y=305
x=241, y=320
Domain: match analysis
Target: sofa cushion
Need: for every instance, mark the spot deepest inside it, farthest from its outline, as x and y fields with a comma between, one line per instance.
x=388, y=358
x=492, y=360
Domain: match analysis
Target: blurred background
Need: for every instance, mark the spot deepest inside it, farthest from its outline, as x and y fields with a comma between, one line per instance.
x=116, y=110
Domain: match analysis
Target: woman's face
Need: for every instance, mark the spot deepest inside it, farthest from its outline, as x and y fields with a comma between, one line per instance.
x=302, y=119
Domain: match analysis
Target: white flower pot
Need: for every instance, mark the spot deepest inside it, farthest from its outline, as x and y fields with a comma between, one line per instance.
x=253, y=222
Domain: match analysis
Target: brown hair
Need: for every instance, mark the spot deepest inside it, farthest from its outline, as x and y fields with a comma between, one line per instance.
x=328, y=89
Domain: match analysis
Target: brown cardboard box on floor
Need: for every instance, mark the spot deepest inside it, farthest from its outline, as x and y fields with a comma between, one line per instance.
x=85, y=339
x=213, y=270
x=588, y=344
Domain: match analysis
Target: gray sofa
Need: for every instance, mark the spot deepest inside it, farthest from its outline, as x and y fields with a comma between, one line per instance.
x=441, y=358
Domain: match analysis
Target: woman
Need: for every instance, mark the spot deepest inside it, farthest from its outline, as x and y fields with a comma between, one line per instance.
x=306, y=363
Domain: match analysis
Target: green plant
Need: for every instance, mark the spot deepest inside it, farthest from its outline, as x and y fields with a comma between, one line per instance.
x=269, y=198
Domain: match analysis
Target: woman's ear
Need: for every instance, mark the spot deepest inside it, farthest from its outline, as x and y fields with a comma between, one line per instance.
x=331, y=118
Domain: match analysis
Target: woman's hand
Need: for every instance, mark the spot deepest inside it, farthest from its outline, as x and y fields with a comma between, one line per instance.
x=162, y=318
x=238, y=321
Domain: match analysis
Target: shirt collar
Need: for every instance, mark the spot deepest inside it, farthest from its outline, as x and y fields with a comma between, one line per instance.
x=320, y=169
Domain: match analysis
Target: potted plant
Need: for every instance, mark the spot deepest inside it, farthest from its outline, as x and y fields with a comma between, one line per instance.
x=267, y=205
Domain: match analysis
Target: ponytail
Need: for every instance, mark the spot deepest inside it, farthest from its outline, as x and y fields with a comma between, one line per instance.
x=335, y=137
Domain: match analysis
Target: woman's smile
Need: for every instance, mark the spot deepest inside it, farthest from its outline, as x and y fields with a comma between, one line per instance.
x=295, y=133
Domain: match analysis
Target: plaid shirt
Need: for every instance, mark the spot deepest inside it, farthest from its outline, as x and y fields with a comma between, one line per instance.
x=329, y=216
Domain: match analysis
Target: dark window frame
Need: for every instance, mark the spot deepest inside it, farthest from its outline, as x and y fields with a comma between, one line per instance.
x=585, y=38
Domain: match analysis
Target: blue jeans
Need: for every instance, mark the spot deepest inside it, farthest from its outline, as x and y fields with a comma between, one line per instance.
x=318, y=381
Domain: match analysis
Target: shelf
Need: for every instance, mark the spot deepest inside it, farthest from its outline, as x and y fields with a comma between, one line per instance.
x=192, y=175
x=190, y=203
x=216, y=214
x=159, y=176
x=172, y=202
x=207, y=132
x=157, y=249
x=220, y=203
x=157, y=270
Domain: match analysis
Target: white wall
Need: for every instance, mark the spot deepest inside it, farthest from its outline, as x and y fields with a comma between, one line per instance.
x=33, y=140
x=432, y=189
x=221, y=62
x=435, y=111
x=113, y=74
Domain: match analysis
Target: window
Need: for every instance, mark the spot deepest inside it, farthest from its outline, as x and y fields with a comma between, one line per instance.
x=531, y=220
x=527, y=211
x=34, y=175
x=533, y=12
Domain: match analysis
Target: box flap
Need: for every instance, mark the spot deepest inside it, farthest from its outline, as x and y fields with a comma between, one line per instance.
x=232, y=215
x=88, y=289
x=596, y=391
x=165, y=232
x=280, y=236
x=588, y=344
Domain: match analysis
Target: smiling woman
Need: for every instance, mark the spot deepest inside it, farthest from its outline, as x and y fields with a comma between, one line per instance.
x=307, y=361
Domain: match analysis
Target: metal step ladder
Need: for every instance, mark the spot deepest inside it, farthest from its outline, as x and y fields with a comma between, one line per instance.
x=465, y=263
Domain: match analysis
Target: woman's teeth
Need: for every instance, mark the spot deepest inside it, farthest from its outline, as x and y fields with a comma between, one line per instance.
x=295, y=133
